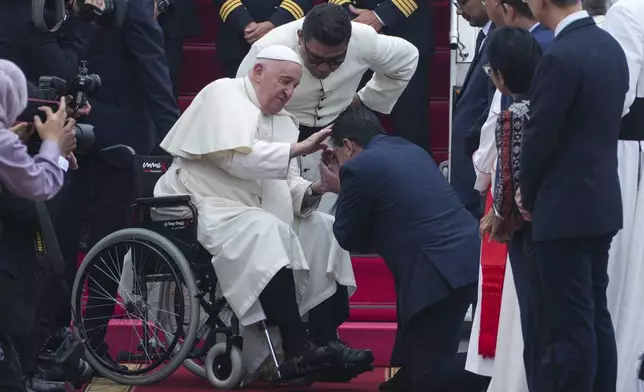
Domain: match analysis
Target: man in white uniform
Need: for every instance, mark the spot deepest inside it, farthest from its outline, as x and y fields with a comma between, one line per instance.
x=336, y=53
x=275, y=256
x=625, y=22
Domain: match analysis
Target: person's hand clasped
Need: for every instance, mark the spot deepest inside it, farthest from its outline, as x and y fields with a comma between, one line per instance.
x=330, y=177
x=367, y=17
x=52, y=128
x=255, y=31
x=485, y=226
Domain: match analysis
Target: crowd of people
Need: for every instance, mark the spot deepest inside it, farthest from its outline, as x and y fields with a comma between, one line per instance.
x=290, y=170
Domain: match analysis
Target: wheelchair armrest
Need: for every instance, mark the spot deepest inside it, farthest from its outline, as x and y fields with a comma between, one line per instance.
x=164, y=201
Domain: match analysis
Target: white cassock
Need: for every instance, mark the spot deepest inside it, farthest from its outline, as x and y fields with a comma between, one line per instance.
x=506, y=368
x=625, y=22
x=253, y=214
x=317, y=103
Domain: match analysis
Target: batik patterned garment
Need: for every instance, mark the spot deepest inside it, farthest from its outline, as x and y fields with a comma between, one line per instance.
x=509, y=134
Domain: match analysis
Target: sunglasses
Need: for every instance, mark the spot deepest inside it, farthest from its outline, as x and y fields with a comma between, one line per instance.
x=315, y=59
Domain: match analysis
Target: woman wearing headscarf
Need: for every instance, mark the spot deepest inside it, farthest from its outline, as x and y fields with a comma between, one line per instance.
x=38, y=178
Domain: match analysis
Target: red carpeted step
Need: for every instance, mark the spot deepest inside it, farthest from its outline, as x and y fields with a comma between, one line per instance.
x=182, y=380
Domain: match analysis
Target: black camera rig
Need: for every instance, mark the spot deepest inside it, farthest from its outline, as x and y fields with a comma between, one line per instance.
x=51, y=89
x=56, y=11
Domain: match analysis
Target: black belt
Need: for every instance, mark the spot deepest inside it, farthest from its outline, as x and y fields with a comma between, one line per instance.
x=633, y=123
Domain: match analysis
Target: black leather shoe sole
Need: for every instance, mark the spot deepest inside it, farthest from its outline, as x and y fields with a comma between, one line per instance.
x=339, y=374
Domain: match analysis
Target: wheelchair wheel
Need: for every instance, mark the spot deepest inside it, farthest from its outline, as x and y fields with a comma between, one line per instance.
x=225, y=370
x=105, y=289
x=216, y=317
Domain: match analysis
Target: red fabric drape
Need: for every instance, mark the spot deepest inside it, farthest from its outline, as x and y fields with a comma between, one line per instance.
x=493, y=258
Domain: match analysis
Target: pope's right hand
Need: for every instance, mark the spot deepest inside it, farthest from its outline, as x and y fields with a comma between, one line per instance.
x=312, y=144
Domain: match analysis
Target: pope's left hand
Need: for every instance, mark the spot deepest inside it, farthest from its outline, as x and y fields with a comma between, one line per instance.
x=367, y=17
x=260, y=30
x=330, y=177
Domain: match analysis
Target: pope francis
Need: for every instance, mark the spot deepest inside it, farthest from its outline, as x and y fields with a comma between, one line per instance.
x=275, y=257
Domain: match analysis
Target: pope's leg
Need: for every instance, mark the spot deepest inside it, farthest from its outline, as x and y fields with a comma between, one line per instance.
x=330, y=271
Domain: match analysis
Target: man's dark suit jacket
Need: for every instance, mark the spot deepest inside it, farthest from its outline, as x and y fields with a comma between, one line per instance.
x=470, y=112
x=395, y=200
x=135, y=104
x=568, y=172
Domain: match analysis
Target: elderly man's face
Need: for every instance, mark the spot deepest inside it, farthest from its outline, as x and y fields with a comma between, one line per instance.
x=275, y=82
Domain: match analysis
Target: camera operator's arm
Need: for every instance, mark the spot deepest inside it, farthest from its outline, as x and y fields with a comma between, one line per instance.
x=37, y=178
x=144, y=38
x=56, y=54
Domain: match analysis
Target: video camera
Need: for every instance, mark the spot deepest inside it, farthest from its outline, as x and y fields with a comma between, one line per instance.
x=48, y=15
x=50, y=91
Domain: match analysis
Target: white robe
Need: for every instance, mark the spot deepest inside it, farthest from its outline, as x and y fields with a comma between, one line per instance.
x=625, y=21
x=506, y=368
x=317, y=103
x=251, y=203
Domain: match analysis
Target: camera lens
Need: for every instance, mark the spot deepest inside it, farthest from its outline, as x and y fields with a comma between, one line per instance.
x=85, y=137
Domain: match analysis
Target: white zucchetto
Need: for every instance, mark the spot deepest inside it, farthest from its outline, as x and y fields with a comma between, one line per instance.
x=280, y=53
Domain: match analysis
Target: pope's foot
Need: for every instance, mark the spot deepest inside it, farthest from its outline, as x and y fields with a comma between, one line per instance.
x=347, y=355
x=309, y=358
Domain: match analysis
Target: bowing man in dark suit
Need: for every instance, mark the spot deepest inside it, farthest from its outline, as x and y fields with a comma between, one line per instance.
x=393, y=198
x=470, y=106
x=569, y=186
x=178, y=22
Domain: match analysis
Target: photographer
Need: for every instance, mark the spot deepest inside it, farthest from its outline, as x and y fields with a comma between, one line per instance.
x=41, y=177
x=24, y=256
x=39, y=52
x=135, y=107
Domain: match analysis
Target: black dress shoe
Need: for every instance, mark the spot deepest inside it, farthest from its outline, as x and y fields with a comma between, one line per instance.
x=398, y=383
x=348, y=355
x=113, y=365
x=310, y=358
x=36, y=383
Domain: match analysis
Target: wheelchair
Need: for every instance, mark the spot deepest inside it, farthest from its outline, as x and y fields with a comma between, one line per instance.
x=192, y=325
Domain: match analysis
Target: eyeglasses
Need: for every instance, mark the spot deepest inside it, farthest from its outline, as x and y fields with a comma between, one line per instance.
x=315, y=59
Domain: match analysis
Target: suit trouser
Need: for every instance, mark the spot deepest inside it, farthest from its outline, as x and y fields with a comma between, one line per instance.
x=110, y=192
x=579, y=348
x=431, y=343
x=526, y=280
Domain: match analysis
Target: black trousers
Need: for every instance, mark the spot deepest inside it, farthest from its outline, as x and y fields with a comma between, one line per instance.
x=109, y=191
x=431, y=340
x=278, y=300
x=10, y=370
x=580, y=353
x=410, y=116
x=526, y=281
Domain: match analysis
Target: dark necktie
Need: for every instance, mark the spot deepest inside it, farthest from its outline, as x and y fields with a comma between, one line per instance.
x=479, y=42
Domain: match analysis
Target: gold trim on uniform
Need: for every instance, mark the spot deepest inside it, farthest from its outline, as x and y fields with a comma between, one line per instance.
x=293, y=8
x=407, y=7
x=228, y=7
x=340, y=2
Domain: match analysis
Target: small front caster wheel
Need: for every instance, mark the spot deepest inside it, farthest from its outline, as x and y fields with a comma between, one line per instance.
x=224, y=371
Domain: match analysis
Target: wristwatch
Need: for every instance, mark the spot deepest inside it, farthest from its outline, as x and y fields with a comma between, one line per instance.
x=163, y=5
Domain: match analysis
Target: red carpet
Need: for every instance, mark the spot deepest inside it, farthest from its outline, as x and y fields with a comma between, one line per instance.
x=182, y=380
